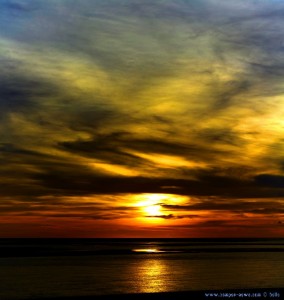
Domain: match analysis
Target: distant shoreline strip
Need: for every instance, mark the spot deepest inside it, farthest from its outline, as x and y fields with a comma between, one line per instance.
x=39, y=252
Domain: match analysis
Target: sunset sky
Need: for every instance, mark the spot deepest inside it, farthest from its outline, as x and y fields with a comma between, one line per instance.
x=142, y=118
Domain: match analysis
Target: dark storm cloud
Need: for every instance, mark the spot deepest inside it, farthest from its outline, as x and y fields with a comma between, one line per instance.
x=31, y=98
x=228, y=91
x=21, y=93
x=275, y=181
x=106, y=147
x=261, y=206
x=221, y=135
x=221, y=224
x=114, y=147
x=13, y=151
x=65, y=207
x=69, y=181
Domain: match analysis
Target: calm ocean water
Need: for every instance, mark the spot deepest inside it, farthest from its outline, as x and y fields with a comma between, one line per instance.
x=76, y=267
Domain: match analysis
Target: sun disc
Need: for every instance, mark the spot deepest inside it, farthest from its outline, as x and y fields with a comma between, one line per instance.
x=152, y=210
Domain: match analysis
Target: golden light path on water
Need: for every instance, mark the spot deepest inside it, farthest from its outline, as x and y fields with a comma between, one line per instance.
x=152, y=275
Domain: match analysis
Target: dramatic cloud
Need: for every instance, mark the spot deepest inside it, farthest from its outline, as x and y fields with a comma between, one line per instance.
x=108, y=108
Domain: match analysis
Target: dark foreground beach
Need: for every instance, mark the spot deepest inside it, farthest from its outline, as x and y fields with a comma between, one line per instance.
x=141, y=269
x=216, y=294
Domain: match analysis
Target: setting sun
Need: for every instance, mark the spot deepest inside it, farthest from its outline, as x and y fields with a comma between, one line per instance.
x=153, y=210
x=150, y=203
x=153, y=205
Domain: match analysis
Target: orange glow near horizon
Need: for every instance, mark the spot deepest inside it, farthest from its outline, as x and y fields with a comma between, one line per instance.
x=152, y=250
x=139, y=215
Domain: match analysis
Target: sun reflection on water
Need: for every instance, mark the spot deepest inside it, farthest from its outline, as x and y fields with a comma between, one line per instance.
x=152, y=274
x=152, y=250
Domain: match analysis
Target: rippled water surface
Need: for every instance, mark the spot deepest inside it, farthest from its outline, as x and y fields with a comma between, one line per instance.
x=168, y=266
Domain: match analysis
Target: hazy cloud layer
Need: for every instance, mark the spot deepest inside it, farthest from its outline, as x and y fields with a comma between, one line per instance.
x=131, y=97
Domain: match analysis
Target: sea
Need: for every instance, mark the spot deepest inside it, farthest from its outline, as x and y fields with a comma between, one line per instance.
x=54, y=268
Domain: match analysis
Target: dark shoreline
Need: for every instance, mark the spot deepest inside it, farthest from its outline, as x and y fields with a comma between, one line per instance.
x=262, y=293
x=35, y=252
